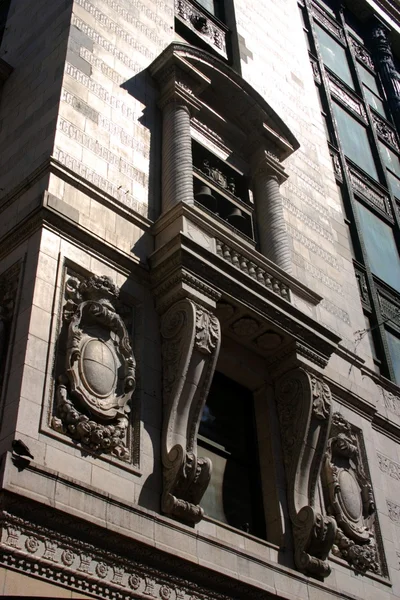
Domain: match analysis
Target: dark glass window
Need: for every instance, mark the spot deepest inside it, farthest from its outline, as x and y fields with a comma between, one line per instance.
x=334, y=56
x=4, y=8
x=380, y=245
x=394, y=350
x=371, y=90
x=213, y=6
x=354, y=139
x=227, y=436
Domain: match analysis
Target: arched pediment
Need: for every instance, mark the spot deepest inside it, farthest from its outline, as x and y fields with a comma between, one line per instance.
x=225, y=101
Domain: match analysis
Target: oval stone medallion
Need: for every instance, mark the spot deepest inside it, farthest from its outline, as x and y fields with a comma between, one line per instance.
x=98, y=368
x=350, y=493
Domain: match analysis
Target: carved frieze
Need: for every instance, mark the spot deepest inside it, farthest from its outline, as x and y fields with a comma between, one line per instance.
x=339, y=90
x=328, y=22
x=190, y=347
x=304, y=409
x=362, y=54
x=94, y=391
x=349, y=498
x=371, y=193
x=385, y=131
x=200, y=22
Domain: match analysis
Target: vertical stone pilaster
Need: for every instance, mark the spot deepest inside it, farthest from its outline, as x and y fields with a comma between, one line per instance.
x=272, y=233
x=177, y=162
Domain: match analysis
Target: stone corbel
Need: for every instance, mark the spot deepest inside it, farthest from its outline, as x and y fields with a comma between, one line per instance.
x=190, y=347
x=304, y=409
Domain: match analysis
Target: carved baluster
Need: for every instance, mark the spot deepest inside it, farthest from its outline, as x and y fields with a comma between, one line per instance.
x=244, y=264
x=227, y=253
x=252, y=270
x=260, y=275
x=235, y=259
x=219, y=248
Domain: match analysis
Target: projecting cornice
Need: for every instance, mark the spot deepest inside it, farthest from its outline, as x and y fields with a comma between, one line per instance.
x=222, y=97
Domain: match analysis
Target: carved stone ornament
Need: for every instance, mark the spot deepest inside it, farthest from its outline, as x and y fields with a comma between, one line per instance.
x=92, y=398
x=349, y=498
x=304, y=409
x=191, y=340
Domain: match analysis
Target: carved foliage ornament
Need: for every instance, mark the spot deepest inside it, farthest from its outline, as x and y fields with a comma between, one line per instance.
x=94, y=393
x=349, y=498
x=191, y=339
x=304, y=409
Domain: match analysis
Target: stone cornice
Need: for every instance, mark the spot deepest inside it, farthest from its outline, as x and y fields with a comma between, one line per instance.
x=79, y=551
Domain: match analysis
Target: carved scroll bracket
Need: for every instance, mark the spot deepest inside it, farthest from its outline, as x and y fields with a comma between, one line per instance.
x=304, y=409
x=191, y=341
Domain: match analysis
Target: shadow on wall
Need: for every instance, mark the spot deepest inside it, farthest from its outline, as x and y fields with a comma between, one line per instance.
x=143, y=89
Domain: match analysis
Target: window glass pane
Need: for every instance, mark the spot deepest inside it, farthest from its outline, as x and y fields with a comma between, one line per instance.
x=334, y=56
x=227, y=436
x=390, y=159
x=354, y=139
x=381, y=247
x=375, y=102
x=394, y=184
x=368, y=79
x=394, y=349
x=208, y=5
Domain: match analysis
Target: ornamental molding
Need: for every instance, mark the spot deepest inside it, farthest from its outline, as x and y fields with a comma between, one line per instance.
x=390, y=307
x=349, y=499
x=315, y=69
x=203, y=25
x=95, y=388
x=388, y=466
x=362, y=54
x=385, y=131
x=350, y=100
x=190, y=345
x=304, y=410
x=100, y=562
x=362, y=285
x=370, y=192
x=327, y=22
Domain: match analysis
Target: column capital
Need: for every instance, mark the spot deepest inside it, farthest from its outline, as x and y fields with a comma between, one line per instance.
x=180, y=94
x=265, y=162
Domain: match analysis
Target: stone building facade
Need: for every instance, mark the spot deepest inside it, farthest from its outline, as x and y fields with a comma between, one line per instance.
x=200, y=299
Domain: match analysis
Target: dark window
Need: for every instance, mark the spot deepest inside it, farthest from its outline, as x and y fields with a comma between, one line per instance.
x=380, y=245
x=4, y=8
x=227, y=436
x=354, y=139
x=334, y=55
x=394, y=350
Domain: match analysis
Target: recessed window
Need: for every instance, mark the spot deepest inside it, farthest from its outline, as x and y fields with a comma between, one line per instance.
x=380, y=246
x=227, y=436
x=394, y=351
x=334, y=56
x=371, y=90
x=355, y=142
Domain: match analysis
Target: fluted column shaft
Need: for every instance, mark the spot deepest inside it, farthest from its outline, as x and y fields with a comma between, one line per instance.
x=177, y=162
x=273, y=238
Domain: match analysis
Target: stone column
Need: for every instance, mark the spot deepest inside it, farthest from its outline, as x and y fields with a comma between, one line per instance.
x=272, y=235
x=177, y=162
x=383, y=57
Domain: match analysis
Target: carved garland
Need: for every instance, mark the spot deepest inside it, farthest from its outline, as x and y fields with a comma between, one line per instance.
x=92, y=398
x=304, y=409
x=191, y=340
